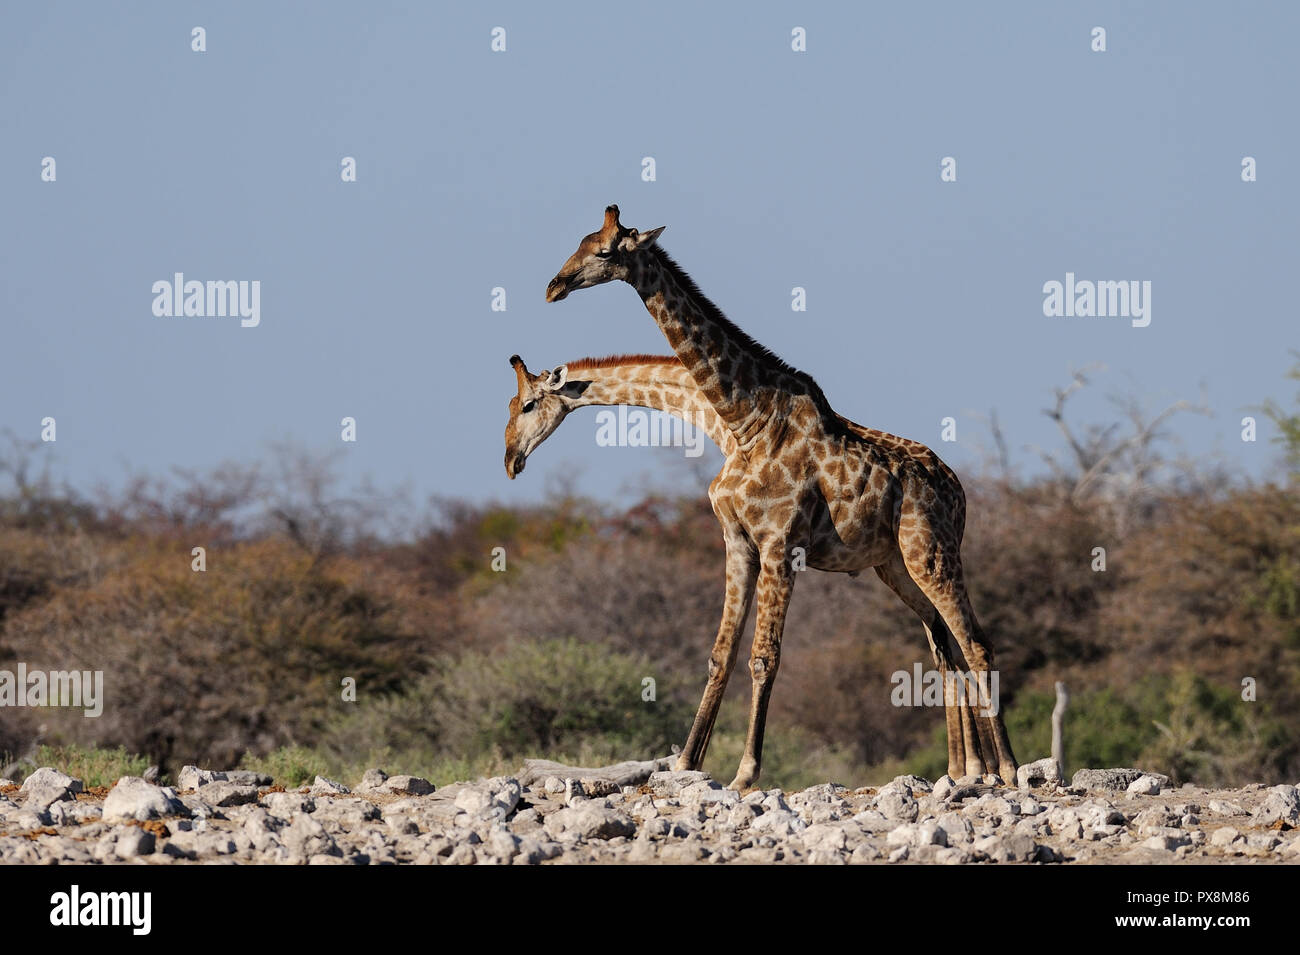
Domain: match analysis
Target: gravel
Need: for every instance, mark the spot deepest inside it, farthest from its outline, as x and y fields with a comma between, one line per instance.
x=647, y=816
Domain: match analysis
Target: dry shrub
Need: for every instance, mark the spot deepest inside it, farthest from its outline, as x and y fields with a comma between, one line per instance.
x=201, y=667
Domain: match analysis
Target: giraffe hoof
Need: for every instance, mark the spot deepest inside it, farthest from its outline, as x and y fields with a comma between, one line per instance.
x=743, y=781
x=745, y=775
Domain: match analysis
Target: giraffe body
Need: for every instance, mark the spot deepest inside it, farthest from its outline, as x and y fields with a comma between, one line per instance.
x=662, y=383
x=801, y=475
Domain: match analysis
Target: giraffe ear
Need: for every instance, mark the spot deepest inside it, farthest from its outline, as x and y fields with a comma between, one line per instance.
x=640, y=240
x=556, y=379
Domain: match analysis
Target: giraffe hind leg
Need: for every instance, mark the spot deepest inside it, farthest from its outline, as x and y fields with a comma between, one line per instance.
x=960, y=720
x=939, y=578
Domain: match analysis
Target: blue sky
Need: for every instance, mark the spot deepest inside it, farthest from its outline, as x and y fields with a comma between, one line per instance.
x=774, y=169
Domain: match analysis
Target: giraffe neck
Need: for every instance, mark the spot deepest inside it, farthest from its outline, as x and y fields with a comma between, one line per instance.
x=662, y=384
x=739, y=377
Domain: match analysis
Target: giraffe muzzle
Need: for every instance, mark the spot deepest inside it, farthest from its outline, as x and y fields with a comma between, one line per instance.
x=560, y=287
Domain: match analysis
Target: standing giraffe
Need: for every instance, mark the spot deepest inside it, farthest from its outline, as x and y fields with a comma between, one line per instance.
x=801, y=478
x=544, y=400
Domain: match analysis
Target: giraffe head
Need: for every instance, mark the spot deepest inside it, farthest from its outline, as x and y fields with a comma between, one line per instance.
x=602, y=256
x=535, y=412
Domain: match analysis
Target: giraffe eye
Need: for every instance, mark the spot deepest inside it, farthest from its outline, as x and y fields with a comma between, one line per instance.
x=530, y=406
x=603, y=253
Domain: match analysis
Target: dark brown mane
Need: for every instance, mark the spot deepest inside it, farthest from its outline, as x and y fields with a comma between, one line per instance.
x=760, y=353
x=612, y=361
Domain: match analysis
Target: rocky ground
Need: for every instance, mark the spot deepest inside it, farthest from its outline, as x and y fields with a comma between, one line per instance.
x=637, y=812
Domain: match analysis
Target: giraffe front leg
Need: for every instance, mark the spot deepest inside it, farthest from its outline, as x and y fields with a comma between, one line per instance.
x=957, y=700
x=775, y=583
x=742, y=570
x=982, y=727
x=958, y=726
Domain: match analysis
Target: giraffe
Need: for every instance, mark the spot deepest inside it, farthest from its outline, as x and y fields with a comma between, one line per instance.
x=801, y=478
x=544, y=400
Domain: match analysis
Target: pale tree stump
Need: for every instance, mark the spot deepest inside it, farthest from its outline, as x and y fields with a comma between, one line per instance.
x=1058, y=717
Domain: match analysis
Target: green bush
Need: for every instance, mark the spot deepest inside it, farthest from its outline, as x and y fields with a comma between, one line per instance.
x=292, y=766
x=487, y=711
x=1178, y=724
x=90, y=764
